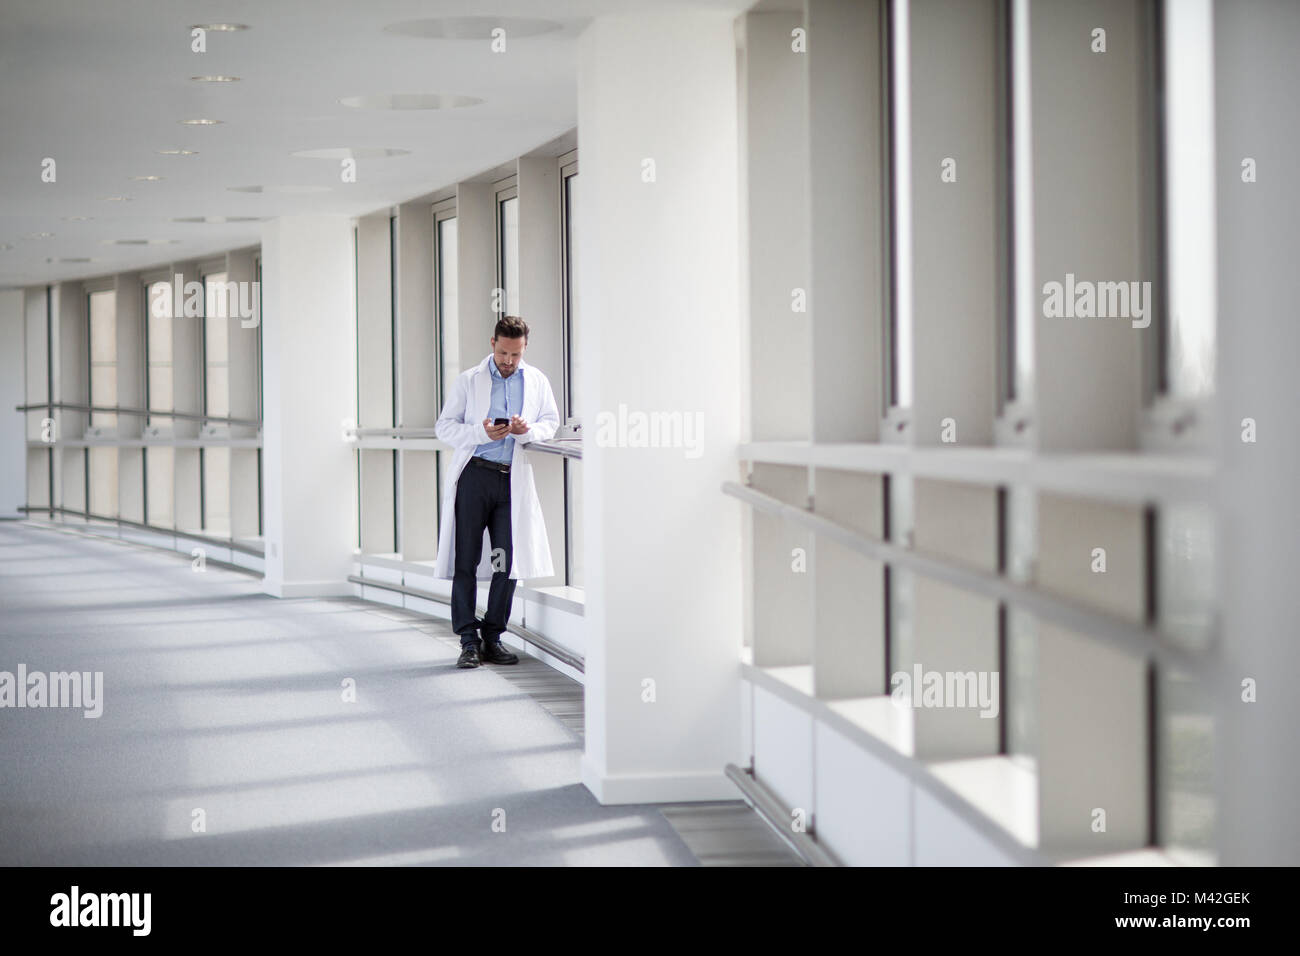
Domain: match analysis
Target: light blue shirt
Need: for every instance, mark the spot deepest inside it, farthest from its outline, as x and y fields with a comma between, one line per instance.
x=507, y=400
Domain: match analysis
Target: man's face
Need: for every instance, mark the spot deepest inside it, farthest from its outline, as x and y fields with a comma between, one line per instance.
x=507, y=353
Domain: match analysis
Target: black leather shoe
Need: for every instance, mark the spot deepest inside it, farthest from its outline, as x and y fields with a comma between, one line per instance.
x=468, y=656
x=494, y=652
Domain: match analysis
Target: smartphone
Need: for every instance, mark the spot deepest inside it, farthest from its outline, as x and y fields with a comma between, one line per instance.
x=500, y=421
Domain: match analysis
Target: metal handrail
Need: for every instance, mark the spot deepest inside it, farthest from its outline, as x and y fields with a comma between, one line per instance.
x=774, y=814
x=396, y=431
x=562, y=654
x=571, y=447
x=139, y=412
x=564, y=447
x=1117, y=632
x=174, y=532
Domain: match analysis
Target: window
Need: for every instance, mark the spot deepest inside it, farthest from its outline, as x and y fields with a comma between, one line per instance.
x=568, y=209
x=158, y=348
x=219, y=303
x=508, y=249
x=102, y=308
x=446, y=306
x=1188, y=215
x=898, y=185
x=101, y=462
x=448, y=315
x=571, y=398
x=1022, y=296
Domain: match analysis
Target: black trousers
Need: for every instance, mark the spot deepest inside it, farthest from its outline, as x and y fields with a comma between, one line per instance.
x=482, y=501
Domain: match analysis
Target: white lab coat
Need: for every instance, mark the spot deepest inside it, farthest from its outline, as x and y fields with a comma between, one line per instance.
x=461, y=426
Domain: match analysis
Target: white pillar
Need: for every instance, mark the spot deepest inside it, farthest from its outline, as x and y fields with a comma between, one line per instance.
x=309, y=390
x=1256, y=72
x=661, y=334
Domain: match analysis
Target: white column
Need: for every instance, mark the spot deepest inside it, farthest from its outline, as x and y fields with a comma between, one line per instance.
x=1256, y=72
x=309, y=390
x=540, y=305
x=658, y=237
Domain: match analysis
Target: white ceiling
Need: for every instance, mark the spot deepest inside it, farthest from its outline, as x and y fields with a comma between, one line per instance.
x=100, y=87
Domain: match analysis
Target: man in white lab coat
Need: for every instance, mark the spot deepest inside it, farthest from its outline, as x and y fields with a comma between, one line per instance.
x=493, y=411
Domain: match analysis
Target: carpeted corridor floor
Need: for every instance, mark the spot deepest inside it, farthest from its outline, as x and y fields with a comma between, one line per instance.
x=226, y=738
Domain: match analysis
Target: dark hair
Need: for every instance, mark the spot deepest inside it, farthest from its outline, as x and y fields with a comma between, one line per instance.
x=511, y=327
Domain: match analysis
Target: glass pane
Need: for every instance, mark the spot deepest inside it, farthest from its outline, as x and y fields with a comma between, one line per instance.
x=218, y=386
x=510, y=254
x=103, y=482
x=103, y=356
x=1024, y=296
x=159, y=322
x=576, y=568
x=1185, y=588
x=216, y=491
x=900, y=336
x=448, y=312
x=103, y=327
x=1185, y=775
x=159, y=469
x=573, y=372
x=218, y=307
x=160, y=390
x=901, y=592
x=1022, y=631
x=103, y=392
x=1189, y=152
x=1185, y=602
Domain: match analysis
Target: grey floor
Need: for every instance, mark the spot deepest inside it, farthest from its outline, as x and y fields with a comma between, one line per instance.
x=226, y=738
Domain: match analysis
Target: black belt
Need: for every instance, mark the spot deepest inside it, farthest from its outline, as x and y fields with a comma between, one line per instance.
x=494, y=465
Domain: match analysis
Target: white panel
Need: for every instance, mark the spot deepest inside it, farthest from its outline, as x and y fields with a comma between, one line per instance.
x=783, y=750
x=1089, y=218
x=945, y=839
x=863, y=806
x=775, y=115
x=844, y=133
x=954, y=224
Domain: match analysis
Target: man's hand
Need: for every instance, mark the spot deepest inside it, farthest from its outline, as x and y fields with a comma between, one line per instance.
x=517, y=425
x=495, y=431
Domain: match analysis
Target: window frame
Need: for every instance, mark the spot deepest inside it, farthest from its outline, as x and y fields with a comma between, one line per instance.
x=568, y=168
x=503, y=191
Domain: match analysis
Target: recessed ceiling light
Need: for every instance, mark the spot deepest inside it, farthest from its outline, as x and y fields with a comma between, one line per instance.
x=114, y=198
x=138, y=242
x=76, y=259
x=146, y=179
x=178, y=152
x=40, y=235
x=201, y=122
x=77, y=218
x=350, y=152
x=220, y=27
x=218, y=219
x=471, y=28
x=215, y=79
x=410, y=101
